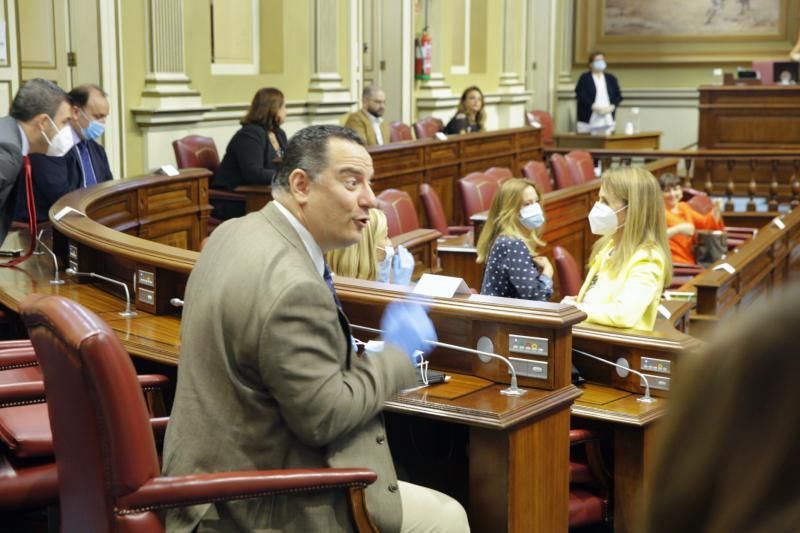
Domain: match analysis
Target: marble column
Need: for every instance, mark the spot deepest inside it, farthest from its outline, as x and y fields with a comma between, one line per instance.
x=513, y=97
x=328, y=98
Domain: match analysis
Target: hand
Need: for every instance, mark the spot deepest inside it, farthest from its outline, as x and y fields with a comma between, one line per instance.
x=406, y=326
x=716, y=210
x=544, y=265
x=610, y=109
x=598, y=108
x=383, y=269
x=684, y=228
x=402, y=266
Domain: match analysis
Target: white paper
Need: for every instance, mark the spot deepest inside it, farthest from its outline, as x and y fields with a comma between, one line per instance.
x=440, y=286
x=726, y=267
x=65, y=211
x=778, y=222
x=441, y=136
x=663, y=311
x=169, y=170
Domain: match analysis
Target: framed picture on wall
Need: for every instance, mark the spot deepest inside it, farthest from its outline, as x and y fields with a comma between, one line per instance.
x=685, y=31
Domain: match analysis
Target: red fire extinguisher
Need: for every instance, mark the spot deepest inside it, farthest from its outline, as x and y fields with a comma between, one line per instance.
x=423, y=52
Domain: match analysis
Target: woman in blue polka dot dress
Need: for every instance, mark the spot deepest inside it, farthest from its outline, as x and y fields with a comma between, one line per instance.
x=508, y=245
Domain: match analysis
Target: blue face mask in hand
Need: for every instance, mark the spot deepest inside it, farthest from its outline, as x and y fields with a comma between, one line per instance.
x=407, y=327
x=402, y=266
x=531, y=216
x=386, y=265
x=94, y=130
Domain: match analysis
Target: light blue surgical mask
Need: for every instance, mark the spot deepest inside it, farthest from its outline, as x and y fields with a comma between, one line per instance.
x=94, y=130
x=599, y=65
x=531, y=216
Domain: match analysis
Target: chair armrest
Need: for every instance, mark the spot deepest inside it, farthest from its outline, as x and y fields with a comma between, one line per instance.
x=459, y=230
x=150, y=382
x=682, y=269
x=577, y=436
x=750, y=232
x=416, y=237
x=181, y=491
x=23, y=393
x=16, y=343
x=221, y=194
x=159, y=425
x=18, y=358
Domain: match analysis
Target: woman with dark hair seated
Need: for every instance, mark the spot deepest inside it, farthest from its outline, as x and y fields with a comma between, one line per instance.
x=254, y=152
x=683, y=221
x=470, y=115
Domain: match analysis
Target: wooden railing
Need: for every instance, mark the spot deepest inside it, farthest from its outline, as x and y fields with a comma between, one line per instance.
x=773, y=174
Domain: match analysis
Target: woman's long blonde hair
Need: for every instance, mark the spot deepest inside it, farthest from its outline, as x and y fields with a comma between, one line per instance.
x=503, y=219
x=360, y=259
x=645, y=226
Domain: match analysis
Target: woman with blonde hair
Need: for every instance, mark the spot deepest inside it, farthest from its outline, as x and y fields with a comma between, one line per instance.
x=630, y=264
x=373, y=256
x=508, y=245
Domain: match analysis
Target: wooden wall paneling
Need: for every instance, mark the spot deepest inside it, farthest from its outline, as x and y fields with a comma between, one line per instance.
x=119, y=211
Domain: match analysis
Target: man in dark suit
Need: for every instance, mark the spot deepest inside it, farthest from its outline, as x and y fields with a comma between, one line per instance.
x=84, y=165
x=268, y=378
x=37, y=123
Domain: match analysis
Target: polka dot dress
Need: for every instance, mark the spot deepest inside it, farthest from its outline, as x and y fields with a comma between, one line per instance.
x=510, y=272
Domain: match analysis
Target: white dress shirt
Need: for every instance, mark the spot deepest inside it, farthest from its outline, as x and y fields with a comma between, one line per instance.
x=376, y=126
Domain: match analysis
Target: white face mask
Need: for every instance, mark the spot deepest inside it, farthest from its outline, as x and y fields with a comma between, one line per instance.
x=603, y=219
x=531, y=216
x=61, y=143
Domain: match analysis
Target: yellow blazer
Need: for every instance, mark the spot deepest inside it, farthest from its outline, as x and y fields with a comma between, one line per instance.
x=629, y=299
x=360, y=123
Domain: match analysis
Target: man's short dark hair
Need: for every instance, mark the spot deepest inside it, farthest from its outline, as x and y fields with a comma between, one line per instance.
x=79, y=95
x=668, y=181
x=37, y=96
x=369, y=91
x=308, y=150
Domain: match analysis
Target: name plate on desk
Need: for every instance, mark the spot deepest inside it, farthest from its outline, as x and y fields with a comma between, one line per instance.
x=440, y=286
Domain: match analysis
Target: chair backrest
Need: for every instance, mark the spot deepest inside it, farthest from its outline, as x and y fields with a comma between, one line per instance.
x=701, y=203
x=428, y=127
x=501, y=173
x=477, y=192
x=195, y=151
x=433, y=209
x=561, y=174
x=545, y=120
x=101, y=428
x=536, y=171
x=581, y=166
x=401, y=215
x=399, y=131
x=569, y=275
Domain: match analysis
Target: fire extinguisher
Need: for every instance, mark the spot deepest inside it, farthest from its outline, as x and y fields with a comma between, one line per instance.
x=423, y=52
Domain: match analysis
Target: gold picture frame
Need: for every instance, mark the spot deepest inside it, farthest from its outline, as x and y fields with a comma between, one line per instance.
x=687, y=31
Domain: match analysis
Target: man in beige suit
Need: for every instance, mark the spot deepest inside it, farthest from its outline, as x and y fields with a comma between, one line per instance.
x=268, y=378
x=368, y=122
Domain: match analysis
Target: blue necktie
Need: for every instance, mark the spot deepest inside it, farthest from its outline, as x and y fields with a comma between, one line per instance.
x=326, y=275
x=86, y=161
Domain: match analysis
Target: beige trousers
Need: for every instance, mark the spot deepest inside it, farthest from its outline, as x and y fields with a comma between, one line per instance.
x=428, y=511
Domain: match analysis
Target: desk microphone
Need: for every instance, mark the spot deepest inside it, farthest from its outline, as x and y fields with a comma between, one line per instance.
x=644, y=399
x=176, y=302
x=127, y=313
x=56, y=279
x=512, y=390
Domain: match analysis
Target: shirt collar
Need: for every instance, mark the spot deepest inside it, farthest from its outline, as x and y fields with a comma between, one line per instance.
x=372, y=118
x=75, y=137
x=313, y=249
x=26, y=146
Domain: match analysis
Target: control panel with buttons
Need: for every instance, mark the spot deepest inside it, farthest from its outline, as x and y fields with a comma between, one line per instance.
x=656, y=382
x=651, y=364
x=529, y=368
x=528, y=345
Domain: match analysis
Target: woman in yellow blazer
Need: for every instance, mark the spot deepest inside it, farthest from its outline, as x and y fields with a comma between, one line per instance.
x=630, y=264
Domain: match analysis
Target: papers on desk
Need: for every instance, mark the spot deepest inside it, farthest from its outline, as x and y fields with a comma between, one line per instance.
x=726, y=267
x=440, y=286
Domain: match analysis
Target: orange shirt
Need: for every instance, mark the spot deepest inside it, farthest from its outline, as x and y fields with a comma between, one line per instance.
x=682, y=245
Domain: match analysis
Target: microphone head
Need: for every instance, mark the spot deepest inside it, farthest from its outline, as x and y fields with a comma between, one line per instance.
x=71, y=271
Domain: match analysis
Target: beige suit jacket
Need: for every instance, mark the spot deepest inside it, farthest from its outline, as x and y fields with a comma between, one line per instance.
x=360, y=123
x=267, y=380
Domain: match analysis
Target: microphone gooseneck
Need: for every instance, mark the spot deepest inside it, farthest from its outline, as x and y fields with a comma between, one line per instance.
x=56, y=279
x=512, y=390
x=128, y=312
x=644, y=399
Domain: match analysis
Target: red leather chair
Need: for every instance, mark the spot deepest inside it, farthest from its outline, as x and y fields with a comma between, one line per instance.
x=477, y=192
x=500, y=173
x=536, y=172
x=581, y=166
x=703, y=204
x=435, y=212
x=195, y=151
x=544, y=120
x=561, y=173
x=428, y=127
x=399, y=131
x=401, y=215
x=589, y=482
x=569, y=275
x=107, y=464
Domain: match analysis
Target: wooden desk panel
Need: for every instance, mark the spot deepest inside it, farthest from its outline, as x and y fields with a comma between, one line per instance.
x=646, y=140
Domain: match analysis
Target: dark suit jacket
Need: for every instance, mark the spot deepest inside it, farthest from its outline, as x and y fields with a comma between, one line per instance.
x=585, y=92
x=460, y=124
x=10, y=166
x=267, y=380
x=248, y=158
x=53, y=177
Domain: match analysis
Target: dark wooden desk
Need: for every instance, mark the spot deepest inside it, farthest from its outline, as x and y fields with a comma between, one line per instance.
x=646, y=140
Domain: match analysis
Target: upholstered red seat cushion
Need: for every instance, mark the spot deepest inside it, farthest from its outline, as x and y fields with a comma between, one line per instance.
x=27, y=486
x=25, y=430
x=584, y=508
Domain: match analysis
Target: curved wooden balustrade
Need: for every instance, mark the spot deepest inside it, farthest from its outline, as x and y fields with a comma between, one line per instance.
x=773, y=174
